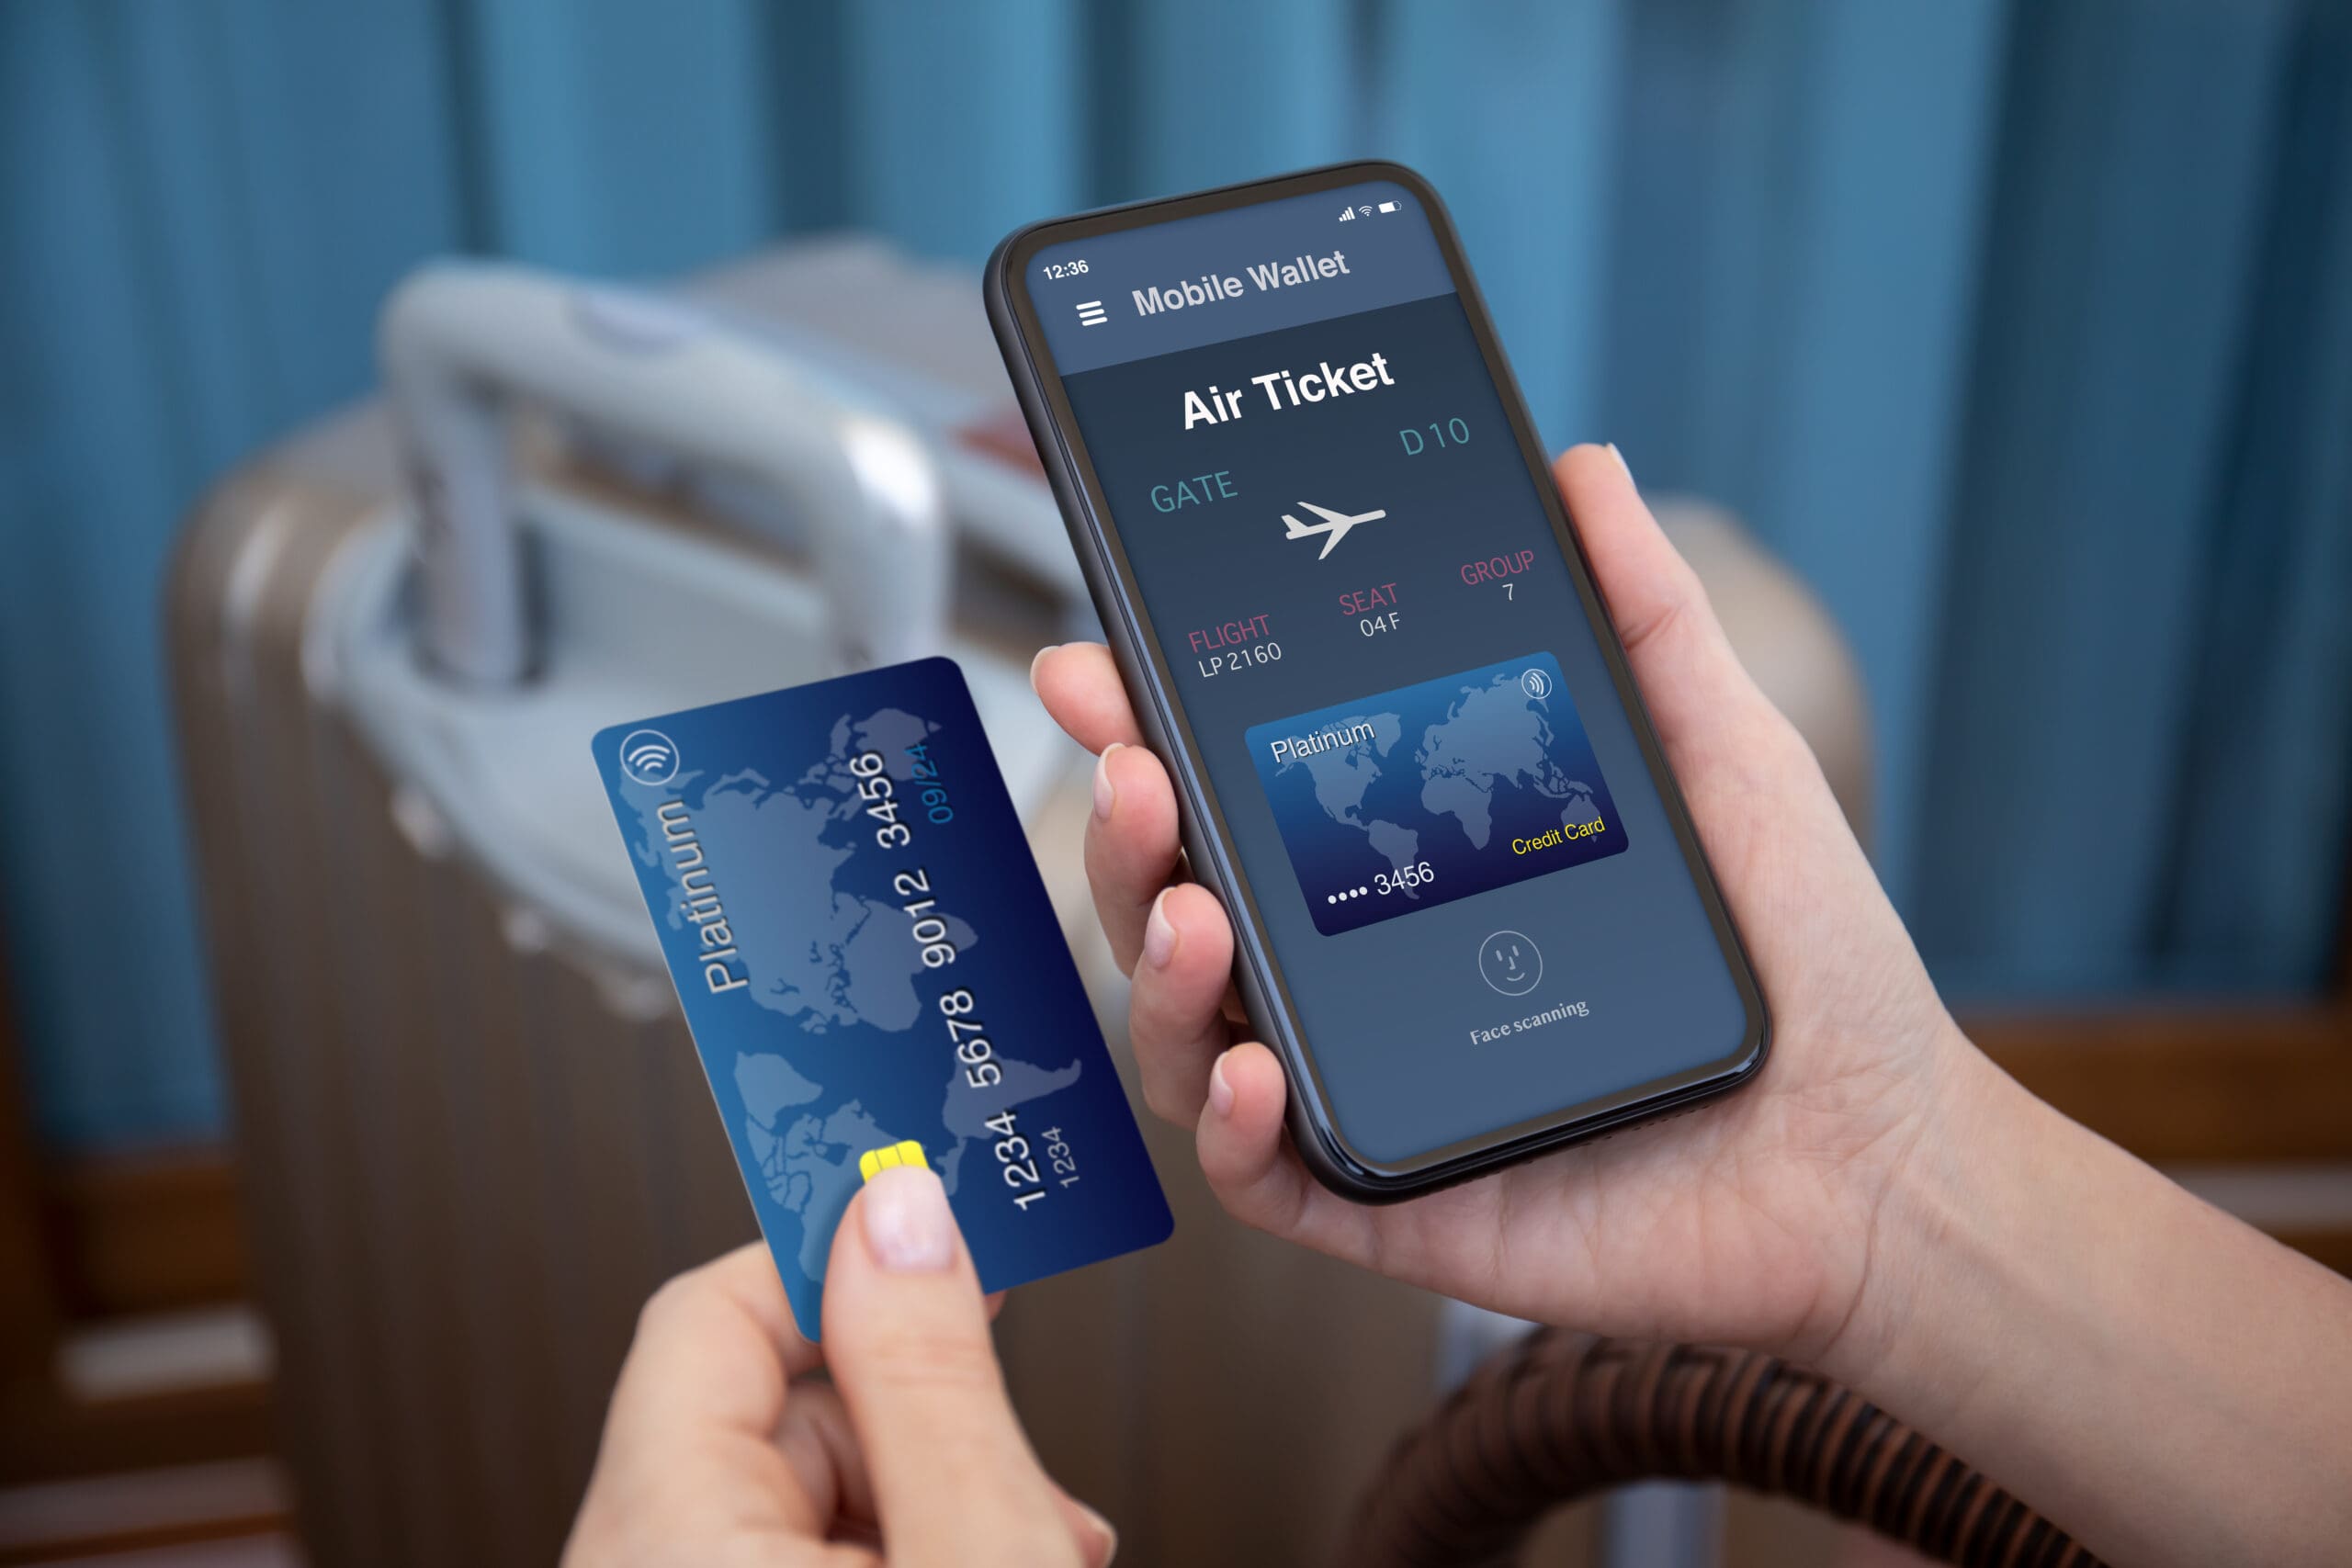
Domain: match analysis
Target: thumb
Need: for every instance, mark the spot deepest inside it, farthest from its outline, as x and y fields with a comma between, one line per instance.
x=907, y=1341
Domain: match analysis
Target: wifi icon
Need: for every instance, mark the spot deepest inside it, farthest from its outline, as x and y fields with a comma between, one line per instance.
x=648, y=757
x=1365, y=210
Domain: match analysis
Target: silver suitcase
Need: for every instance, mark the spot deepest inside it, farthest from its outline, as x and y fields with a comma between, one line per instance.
x=474, y=1132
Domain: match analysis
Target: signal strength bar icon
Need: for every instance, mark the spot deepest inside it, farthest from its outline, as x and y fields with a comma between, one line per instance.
x=1090, y=313
x=1347, y=215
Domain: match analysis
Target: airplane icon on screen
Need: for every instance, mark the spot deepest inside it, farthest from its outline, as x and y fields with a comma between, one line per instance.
x=1334, y=527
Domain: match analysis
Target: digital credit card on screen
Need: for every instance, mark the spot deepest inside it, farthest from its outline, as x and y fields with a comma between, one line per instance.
x=874, y=973
x=1408, y=799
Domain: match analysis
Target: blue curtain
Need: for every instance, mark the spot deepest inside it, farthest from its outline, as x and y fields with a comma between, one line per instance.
x=2138, y=763
x=2023, y=330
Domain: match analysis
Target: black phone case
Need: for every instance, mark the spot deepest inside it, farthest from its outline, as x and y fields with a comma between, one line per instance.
x=1210, y=859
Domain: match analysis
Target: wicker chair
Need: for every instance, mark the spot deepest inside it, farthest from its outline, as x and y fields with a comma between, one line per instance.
x=1559, y=1416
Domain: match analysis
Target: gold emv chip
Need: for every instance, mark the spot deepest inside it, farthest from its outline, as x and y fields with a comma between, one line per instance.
x=872, y=1160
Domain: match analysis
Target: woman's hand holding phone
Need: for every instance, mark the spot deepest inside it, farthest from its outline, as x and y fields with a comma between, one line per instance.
x=1751, y=1222
x=1881, y=1202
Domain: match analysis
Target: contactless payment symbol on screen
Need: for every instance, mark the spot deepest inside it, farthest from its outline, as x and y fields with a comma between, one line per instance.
x=1417, y=796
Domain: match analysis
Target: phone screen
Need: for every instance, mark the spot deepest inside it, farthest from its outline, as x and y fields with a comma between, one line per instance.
x=1464, y=869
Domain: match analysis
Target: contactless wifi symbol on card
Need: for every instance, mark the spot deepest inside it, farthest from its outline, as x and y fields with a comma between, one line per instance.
x=648, y=757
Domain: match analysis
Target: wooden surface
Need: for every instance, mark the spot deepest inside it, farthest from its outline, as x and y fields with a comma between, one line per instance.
x=45, y=1436
x=31, y=1316
x=2185, y=1084
x=177, y=1507
x=2330, y=1249
x=146, y=1230
x=43, y=1433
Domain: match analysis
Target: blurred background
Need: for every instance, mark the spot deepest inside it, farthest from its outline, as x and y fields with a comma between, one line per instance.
x=2011, y=342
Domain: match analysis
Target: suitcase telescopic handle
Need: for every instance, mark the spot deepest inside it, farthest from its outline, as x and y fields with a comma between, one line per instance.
x=459, y=341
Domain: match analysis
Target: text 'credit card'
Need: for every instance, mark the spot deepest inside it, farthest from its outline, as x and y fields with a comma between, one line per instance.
x=1411, y=798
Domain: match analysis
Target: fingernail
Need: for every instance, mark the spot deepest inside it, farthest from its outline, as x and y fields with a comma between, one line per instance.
x=1041, y=659
x=1158, y=934
x=1103, y=796
x=1623, y=467
x=1220, y=1092
x=909, y=1227
x=1109, y=1547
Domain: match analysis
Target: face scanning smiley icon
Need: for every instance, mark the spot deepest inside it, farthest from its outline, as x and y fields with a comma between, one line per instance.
x=1510, y=963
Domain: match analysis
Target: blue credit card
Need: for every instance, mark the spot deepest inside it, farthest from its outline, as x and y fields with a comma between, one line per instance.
x=1411, y=798
x=874, y=973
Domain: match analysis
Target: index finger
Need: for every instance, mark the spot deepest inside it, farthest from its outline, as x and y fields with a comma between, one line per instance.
x=1081, y=687
x=716, y=1345
x=690, y=1436
x=1689, y=677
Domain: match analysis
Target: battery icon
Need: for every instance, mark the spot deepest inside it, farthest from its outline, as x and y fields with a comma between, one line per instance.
x=1388, y=207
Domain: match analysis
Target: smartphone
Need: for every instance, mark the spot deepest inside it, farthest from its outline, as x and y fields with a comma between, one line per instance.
x=1470, y=916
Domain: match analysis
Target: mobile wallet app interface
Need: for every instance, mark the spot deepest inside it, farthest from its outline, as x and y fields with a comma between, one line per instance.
x=1468, y=878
